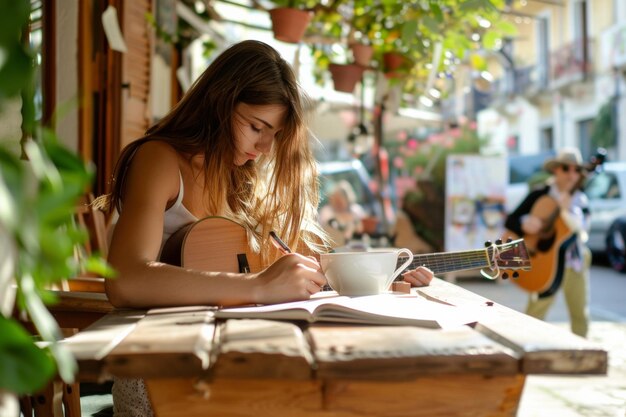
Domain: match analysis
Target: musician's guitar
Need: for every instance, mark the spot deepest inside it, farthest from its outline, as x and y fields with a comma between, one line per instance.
x=219, y=244
x=546, y=249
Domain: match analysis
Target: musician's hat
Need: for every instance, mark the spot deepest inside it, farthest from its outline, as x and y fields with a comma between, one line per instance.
x=566, y=156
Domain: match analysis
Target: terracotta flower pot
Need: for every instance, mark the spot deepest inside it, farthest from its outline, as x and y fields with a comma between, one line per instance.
x=289, y=24
x=362, y=54
x=345, y=77
x=391, y=62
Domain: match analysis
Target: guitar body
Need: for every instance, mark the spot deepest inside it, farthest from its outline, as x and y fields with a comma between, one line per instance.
x=211, y=244
x=546, y=249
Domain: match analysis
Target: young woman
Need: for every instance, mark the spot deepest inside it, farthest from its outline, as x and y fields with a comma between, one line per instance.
x=235, y=146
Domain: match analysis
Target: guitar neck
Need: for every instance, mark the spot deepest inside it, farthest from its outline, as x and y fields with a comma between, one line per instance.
x=441, y=263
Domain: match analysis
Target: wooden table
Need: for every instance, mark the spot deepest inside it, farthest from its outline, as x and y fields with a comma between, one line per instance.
x=195, y=366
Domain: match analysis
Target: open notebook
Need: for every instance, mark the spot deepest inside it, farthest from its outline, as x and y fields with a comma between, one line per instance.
x=383, y=309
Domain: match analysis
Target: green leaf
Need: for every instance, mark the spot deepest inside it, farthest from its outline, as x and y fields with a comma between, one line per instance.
x=40, y=316
x=13, y=14
x=471, y=5
x=24, y=367
x=431, y=24
x=436, y=12
x=409, y=31
x=490, y=39
x=41, y=165
x=16, y=72
x=505, y=28
x=477, y=5
x=99, y=266
x=8, y=209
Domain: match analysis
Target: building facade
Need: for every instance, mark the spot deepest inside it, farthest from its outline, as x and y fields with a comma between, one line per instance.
x=559, y=78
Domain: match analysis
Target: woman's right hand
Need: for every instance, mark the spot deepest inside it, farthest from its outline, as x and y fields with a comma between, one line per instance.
x=531, y=225
x=292, y=277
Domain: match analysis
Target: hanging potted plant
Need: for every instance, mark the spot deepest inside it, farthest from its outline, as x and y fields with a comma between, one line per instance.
x=289, y=21
x=363, y=24
x=345, y=76
x=393, y=63
x=362, y=53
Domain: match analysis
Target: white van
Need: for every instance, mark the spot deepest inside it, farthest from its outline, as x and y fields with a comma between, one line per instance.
x=606, y=191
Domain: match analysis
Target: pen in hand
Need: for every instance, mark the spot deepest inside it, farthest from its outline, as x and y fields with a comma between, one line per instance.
x=280, y=245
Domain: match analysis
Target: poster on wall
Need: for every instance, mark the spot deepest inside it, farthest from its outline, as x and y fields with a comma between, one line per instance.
x=475, y=198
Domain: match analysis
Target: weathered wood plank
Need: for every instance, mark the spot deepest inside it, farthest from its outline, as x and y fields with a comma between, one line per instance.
x=235, y=397
x=78, y=310
x=93, y=344
x=166, y=342
x=544, y=348
x=261, y=348
x=433, y=396
x=78, y=302
x=395, y=353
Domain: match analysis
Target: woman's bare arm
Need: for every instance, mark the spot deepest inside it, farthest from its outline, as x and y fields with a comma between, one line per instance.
x=142, y=281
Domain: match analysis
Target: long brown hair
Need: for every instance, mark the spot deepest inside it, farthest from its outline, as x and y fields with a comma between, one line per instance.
x=277, y=192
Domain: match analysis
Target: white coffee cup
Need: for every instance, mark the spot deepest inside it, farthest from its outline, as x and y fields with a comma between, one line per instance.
x=363, y=273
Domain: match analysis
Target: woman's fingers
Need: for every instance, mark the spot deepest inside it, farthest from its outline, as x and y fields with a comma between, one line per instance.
x=419, y=277
x=310, y=267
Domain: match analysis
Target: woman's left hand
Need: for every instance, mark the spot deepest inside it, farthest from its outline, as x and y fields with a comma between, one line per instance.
x=419, y=277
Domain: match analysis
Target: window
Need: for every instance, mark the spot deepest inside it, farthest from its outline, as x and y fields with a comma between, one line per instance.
x=547, y=138
x=585, y=128
x=603, y=186
x=581, y=32
x=40, y=37
x=580, y=20
x=543, y=51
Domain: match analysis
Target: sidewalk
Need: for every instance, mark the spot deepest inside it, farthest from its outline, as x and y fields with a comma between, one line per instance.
x=578, y=396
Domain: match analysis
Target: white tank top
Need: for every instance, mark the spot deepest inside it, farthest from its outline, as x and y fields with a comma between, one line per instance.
x=177, y=216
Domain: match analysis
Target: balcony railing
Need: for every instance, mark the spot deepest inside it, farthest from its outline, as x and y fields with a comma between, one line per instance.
x=518, y=82
x=571, y=63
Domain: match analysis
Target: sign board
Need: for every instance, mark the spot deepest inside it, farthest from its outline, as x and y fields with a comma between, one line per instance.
x=475, y=200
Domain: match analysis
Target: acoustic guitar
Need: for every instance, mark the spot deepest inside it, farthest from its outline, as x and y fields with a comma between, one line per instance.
x=220, y=244
x=546, y=249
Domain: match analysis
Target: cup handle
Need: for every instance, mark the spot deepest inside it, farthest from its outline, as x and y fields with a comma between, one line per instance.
x=402, y=267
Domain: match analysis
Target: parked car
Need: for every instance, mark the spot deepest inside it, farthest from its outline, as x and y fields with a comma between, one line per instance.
x=615, y=244
x=606, y=190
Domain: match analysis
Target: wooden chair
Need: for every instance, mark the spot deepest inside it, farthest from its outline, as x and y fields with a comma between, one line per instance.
x=82, y=301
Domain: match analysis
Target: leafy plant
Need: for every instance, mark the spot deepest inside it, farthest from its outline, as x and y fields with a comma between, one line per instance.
x=183, y=33
x=38, y=234
x=603, y=134
x=434, y=36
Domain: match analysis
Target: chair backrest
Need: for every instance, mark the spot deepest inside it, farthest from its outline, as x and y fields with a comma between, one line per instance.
x=94, y=221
